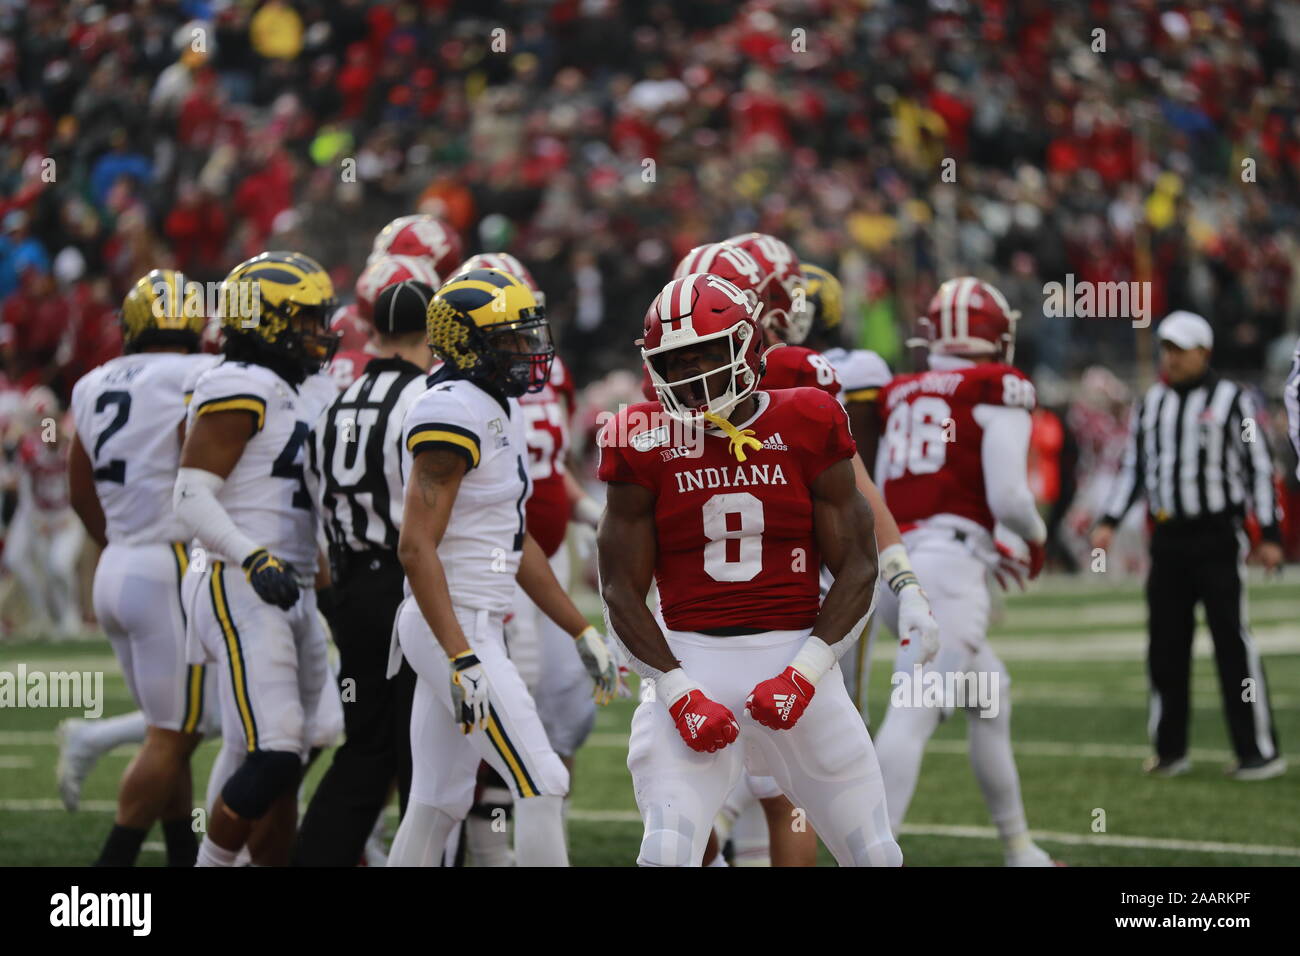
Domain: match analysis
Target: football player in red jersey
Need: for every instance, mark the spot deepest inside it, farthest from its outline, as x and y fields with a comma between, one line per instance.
x=734, y=529
x=785, y=317
x=952, y=465
x=422, y=236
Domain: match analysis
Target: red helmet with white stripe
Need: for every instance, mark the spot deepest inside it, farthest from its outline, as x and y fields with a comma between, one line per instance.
x=502, y=262
x=780, y=285
x=689, y=312
x=967, y=317
x=731, y=262
x=423, y=236
x=384, y=270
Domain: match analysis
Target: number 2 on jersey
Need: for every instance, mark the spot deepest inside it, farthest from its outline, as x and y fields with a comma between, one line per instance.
x=114, y=469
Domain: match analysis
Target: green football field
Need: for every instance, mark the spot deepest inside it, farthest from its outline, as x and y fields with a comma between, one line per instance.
x=1075, y=650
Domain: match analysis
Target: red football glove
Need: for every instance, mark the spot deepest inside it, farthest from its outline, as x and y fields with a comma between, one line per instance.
x=780, y=702
x=1037, y=558
x=704, y=724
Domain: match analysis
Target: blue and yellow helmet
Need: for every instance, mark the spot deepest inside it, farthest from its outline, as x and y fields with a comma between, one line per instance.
x=488, y=325
x=825, y=296
x=281, y=303
x=162, y=310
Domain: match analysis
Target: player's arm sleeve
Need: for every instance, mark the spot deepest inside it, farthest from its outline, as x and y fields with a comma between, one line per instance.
x=832, y=441
x=229, y=388
x=1004, y=453
x=1127, y=487
x=194, y=499
x=440, y=420
x=863, y=376
x=615, y=456
x=1258, y=461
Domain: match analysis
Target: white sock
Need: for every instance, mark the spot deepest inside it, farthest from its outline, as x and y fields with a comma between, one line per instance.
x=539, y=832
x=229, y=758
x=485, y=845
x=421, y=837
x=212, y=855
x=899, y=748
x=103, y=735
x=751, y=844
x=718, y=860
x=995, y=770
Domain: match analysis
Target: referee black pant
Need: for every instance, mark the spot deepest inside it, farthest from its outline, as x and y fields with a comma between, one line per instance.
x=376, y=719
x=1203, y=561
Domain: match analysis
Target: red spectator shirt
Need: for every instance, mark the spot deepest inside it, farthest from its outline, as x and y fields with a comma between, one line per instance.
x=736, y=546
x=546, y=420
x=932, y=443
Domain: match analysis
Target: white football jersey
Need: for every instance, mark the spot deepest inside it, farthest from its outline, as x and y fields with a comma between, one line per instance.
x=127, y=414
x=266, y=493
x=484, y=540
x=861, y=373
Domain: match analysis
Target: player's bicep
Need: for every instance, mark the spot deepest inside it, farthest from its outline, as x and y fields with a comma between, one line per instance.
x=430, y=495
x=217, y=441
x=842, y=519
x=625, y=539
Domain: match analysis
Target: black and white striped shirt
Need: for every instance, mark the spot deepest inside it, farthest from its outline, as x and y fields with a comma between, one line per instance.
x=1194, y=453
x=1291, y=397
x=357, y=456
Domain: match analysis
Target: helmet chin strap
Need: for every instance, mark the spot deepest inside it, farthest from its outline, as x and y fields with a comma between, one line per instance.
x=739, y=439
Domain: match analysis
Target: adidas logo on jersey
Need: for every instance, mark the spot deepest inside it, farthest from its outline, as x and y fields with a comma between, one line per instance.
x=784, y=704
x=694, y=722
x=775, y=443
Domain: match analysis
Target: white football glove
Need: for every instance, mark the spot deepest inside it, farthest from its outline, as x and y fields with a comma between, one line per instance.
x=599, y=662
x=469, y=691
x=916, y=622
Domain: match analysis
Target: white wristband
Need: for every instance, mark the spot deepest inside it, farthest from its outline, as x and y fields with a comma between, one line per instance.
x=896, y=568
x=194, y=500
x=673, y=686
x=814, y=659
x=587, y=511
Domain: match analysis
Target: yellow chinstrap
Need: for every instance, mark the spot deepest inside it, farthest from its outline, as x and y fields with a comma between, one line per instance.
x=740, y=439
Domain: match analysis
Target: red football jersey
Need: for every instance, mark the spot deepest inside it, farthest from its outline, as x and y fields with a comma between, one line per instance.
x=46, y=466
x=931, y=444
x=793, y=366
x=346, y=367
x=546, y=418
x=735, y=540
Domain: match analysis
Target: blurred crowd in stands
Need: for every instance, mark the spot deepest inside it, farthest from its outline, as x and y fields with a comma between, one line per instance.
x=897, y=142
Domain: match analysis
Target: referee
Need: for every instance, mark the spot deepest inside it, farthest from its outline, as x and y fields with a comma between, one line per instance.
x=356, y=458
x=1198, y=453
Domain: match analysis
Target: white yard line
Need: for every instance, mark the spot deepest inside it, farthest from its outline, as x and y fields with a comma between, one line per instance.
x=909, y=829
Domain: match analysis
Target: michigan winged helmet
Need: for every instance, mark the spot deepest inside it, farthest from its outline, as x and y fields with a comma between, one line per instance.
x=825, y=297
x=279, y=305
x=489, y=326
x=162, y=310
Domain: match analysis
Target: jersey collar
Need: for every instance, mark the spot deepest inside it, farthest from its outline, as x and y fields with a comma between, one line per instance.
x=761, y=400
